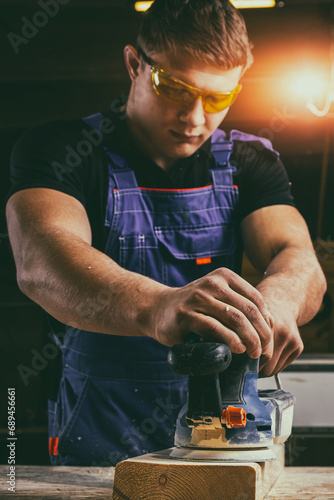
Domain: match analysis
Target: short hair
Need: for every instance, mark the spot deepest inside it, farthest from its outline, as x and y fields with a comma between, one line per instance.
x=211, y=30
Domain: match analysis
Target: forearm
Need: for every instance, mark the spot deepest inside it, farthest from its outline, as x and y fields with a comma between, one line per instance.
x=295, y=281
x=84, y=288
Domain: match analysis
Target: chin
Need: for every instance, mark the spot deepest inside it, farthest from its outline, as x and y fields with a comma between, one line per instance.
x=185, y=150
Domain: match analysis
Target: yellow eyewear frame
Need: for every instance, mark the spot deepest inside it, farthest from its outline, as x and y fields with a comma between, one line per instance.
x=174, y=90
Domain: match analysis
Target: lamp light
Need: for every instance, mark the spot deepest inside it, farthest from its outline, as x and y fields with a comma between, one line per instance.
x=238, y=4
x=252, y=4
x=142, y=6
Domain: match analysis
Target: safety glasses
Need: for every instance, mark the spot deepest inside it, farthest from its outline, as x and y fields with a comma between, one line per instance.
x=174, y=90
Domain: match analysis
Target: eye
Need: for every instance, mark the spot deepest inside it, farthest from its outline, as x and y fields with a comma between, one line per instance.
x=187, y=96
x=214, y=98
x=175, y=91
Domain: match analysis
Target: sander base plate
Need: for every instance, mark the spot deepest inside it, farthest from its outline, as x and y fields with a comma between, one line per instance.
x=235, y=455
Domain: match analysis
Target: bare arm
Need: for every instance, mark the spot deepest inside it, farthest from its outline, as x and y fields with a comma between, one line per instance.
x=278, y=244
x=59, y=269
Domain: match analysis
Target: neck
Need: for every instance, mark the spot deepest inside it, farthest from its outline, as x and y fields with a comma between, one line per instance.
x=137, y=136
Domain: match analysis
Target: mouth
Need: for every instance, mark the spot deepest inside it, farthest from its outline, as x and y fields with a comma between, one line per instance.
x=185, y=137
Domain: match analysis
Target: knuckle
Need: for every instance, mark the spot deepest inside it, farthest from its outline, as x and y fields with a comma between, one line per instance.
x=211, y=333
x=215, y=284
x=210, y=280
x=267, y=356
x=297, y=344
x=221, y=275
x=267, y=370
x=266, y=337
x=236, y=319
x=257, y=298
x=300, y=347
x=182, y=315
x=199, y=295
x=252, y=312
x=222, y=271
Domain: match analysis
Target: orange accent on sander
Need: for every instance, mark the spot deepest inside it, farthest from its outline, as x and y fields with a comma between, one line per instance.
x=233, y=416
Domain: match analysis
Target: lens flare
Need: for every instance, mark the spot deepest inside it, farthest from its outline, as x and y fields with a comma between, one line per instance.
x=308, y=85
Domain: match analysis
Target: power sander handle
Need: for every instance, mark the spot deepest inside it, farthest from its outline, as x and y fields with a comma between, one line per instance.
x=199, y=358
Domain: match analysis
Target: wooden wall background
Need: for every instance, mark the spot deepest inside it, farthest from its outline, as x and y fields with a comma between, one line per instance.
x=73, y=66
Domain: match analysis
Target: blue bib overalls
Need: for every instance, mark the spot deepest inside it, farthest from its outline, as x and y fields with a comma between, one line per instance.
x=117, y=395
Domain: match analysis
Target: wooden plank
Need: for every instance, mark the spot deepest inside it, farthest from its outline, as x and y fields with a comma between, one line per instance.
x=307, y=483
x=67, y=483
x=155, y=476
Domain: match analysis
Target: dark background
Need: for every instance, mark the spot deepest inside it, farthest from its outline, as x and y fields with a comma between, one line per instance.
x=72, y=67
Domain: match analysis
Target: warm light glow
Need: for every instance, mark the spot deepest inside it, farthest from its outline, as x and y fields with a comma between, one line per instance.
x=252, y=4
x=142, y=6
x=308, y=85
x=312, y=88
x=238, y=4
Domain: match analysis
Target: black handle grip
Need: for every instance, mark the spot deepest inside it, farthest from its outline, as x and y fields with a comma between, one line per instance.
x=201, y=358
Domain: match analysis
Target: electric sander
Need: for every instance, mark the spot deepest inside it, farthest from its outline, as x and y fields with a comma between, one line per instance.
x=226, y=418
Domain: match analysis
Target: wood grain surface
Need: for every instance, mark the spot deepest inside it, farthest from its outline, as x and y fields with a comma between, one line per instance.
x=156, y=476
x=63, y=483
x=67, y=483
x=304, y=483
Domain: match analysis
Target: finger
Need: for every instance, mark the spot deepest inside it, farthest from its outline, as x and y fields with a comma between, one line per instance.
x=288, y=359
x=234, y=320
x=212, y=330
x=242, y=287
x=278, y=364
x=254, y=317
x=288, y=362
x=268, y=365
x=267, y=354
x=284, y=354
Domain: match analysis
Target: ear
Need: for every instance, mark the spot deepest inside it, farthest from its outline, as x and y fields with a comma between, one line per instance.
x=132, y=61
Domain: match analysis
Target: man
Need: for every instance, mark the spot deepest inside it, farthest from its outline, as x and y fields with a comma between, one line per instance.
x=129, y=228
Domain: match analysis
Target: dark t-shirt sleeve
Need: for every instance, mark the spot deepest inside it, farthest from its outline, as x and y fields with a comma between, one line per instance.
x=45, y=157
x=261, y=177
x=58, y=156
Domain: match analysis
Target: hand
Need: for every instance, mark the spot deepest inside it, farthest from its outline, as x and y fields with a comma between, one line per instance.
x=220, y=307
x=288, y=344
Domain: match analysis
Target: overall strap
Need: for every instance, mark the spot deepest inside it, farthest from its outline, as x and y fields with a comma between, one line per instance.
x=263, y=142
x=119, y=170
x=221, y=149
x=94, y=121
x=222, y=145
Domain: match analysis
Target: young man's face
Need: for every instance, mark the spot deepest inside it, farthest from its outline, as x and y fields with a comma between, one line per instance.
x=167, y=131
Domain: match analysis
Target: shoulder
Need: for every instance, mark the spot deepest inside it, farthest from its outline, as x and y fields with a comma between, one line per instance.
x=243, y=144
x=259, y=173
x=59, y=155
x=50, y=135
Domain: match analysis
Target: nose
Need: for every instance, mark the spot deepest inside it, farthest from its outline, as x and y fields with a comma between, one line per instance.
x=193, y=114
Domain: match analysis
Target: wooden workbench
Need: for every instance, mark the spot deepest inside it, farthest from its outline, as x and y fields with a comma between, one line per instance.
x=67, y=483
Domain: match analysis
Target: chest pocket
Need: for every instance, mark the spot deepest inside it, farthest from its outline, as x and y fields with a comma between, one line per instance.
x=176, y=256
